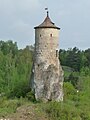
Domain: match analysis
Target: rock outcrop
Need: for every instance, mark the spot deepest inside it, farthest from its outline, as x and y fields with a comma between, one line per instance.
x=48, y=85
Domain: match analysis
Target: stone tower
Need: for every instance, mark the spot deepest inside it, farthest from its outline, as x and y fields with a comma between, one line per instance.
x=47, y=81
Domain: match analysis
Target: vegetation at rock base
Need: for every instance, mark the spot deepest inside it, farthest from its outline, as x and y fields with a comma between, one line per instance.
x=15, y=93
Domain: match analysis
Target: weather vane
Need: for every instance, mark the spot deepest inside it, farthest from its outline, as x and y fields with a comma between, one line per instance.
x=47, y=11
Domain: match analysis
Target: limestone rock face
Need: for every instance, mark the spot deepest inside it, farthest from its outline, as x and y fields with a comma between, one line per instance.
x=49, y=85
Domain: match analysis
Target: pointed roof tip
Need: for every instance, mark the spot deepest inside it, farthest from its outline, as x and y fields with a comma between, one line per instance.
x=47, y=23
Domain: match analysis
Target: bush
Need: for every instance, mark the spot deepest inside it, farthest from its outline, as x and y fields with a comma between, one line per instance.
x=69, y=91
x=62, y=111
x=73, y=79
x=30, y=95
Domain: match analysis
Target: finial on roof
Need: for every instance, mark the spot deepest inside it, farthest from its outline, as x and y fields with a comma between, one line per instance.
x=47, y=11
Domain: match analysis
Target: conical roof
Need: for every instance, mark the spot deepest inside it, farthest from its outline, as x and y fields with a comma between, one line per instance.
x=47, y=23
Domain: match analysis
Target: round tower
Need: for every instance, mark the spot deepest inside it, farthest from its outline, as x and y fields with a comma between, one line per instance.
x=46, y=42
x=48, y=74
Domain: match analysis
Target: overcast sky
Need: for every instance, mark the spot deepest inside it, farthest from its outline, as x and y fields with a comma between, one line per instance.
x=19, y=17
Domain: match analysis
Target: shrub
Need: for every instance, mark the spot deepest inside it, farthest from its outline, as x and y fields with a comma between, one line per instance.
x=30, y=95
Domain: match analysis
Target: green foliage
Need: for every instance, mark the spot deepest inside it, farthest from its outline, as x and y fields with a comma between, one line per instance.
x=8, y=47
x=73, y=79
x=69, y=91
x=62, y=111
x=85, y=71
x=75, y=58
x=87, y=54
x=10, y=106
x=15, y=69
x=30, y=95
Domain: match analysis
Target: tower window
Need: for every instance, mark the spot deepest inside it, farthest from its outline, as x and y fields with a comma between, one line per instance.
x=40, y=35
x=56, y=53
x=50, y=35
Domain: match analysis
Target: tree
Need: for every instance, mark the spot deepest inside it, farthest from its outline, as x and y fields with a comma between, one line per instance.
x=71, y=58
x=87, y=54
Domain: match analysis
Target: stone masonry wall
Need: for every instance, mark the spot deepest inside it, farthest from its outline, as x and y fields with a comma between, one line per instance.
x=46, y=45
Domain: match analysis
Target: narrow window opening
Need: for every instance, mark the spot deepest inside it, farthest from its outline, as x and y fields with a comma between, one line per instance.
x=40, y=35
x=50, y=35
x=56, y=53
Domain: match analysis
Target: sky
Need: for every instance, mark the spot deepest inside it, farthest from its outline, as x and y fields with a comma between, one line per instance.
x=19, y=17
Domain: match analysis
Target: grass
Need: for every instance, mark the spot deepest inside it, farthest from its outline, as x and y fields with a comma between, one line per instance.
x=9, y=106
